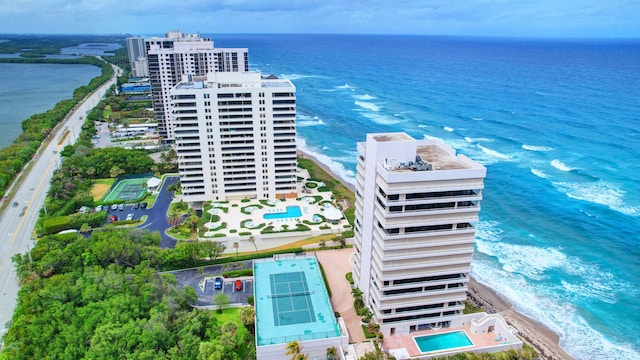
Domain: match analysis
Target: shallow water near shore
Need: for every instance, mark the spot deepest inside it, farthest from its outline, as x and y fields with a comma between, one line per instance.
x=557, y=125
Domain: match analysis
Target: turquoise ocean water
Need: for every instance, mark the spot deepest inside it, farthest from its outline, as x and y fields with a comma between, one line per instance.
x=27, y=89
x=556, y=123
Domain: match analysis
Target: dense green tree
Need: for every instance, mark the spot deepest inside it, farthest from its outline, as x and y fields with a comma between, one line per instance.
x=101, y=297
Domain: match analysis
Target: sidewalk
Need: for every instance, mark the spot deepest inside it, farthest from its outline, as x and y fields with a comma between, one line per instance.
x=336, y=264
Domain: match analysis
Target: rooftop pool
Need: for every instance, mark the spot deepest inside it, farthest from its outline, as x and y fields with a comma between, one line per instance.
x=291, y=212
x=445, y=341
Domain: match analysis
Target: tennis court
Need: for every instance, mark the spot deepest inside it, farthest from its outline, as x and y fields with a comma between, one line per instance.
x=127, y=190
x=291, y=299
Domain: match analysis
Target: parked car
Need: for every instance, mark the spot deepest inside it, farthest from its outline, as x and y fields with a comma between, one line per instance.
x=83, y=210
x=136, y=206
x=113, y=218
x=114, y=207
x=143, y=205
x=217, y=283
x=121, y=207
x=238, y=285
x=99, y=208
x=130, y=217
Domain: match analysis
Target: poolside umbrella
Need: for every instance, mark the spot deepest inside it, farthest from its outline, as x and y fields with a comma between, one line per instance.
x=332, y=213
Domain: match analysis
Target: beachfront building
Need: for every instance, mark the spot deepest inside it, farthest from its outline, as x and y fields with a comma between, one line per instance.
x=235, y=137
x=416, y=203
x=292, y=304
x=178, y=54
x=137, y=52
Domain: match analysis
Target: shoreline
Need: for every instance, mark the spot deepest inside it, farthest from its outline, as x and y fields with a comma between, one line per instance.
x=542, y=339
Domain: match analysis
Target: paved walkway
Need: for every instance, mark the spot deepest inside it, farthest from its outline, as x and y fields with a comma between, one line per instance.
x=336, y=264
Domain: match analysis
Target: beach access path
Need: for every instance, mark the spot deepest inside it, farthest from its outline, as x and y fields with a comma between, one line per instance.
x=17, y=222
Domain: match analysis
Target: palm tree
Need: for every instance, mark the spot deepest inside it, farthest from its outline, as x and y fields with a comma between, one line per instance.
x=294, y=348
x=331, y=353
x=235, y=246
x=252, y=240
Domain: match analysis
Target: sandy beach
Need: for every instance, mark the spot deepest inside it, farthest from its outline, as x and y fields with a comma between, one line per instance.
x=545, y=341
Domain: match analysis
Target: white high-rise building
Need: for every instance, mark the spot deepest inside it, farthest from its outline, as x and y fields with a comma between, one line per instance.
x=235, y=137
x=416, y=204
x=137, y=56
x=179, y=54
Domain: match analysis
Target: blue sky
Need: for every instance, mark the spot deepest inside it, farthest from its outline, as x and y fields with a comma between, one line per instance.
x=532, y=18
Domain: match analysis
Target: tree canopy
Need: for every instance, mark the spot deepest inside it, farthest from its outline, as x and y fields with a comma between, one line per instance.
x=102, y=298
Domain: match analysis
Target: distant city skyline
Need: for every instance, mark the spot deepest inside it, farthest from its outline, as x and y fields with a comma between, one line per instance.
x=512, y=18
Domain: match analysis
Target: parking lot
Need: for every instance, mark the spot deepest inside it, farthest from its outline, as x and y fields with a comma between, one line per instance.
x=206, y=275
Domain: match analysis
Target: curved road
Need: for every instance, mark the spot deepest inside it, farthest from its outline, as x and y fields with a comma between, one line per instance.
x=17, y=223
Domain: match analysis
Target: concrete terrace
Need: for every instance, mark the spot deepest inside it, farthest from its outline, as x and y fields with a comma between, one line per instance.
x=242, y=221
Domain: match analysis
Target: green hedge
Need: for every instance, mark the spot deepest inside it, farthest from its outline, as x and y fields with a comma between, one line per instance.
x=326, y=282
x=238, y=273
x=324, y=189
x=56, y=224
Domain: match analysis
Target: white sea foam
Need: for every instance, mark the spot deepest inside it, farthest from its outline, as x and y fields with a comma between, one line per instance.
x=539, y=173
x=365, y=97
x=536, y=148
x=549, y=307
x=381, y=118
x=345, y=86
x=299, y=76
x=306, y=120
x=494, y=153
x=560, y=165
x=367, y=105
x=422, y=126
x=598, y=192
x=472, y=140
x=446, y=128
x=548, y=304
x=336, y=167
x=477, y=118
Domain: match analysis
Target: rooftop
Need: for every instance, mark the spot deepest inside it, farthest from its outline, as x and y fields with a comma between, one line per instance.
x=291, y=301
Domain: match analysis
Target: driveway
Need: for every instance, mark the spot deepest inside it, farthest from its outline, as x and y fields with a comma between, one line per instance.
x=336, y=264
x=206, y=275
x=157, y=215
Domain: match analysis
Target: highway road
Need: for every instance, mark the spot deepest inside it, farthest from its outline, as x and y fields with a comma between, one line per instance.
x=17, y=222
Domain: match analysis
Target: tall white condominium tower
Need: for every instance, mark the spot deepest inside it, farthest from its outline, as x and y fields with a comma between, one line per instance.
x=179, y=54
x=235, y=137
x=416, y=203
x=137, y=51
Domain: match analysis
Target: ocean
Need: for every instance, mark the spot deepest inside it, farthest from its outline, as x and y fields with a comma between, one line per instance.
x=556, y=123
x=27, y=89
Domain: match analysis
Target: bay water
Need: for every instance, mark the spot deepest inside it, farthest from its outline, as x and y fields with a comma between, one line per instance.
x=27, y=89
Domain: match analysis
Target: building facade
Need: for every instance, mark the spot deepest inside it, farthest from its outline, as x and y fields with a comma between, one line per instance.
x=235, y=137
x=137, y=51
x=179, y=54
x=416, y=203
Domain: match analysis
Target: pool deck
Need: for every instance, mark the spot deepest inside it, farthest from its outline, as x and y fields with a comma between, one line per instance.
x=406, y=340
x=234, y=217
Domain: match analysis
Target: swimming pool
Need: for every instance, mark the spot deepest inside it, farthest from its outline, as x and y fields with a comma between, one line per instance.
x=292, y=212
x=446, y=341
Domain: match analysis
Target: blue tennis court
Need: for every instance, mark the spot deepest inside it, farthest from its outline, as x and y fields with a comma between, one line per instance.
x=291, y=301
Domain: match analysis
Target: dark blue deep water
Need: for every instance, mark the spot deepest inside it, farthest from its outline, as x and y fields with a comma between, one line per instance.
x=556, y=123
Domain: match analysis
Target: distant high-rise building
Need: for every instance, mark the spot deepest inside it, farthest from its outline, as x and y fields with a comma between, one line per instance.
x=179, y=54
x=416, y=203
x=235, y=137
x=137, y=56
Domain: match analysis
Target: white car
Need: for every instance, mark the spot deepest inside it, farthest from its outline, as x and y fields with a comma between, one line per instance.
x=130, y=217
